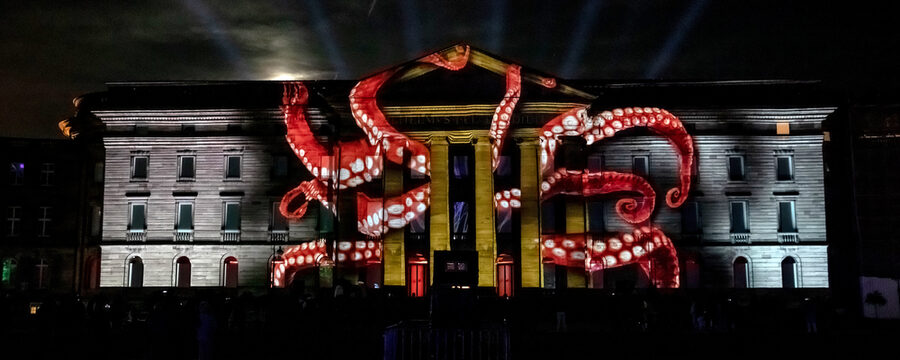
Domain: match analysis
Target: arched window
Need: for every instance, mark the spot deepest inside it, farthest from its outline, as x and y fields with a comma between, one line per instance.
x=8, y=272
x=741, y=273
x=691, y=274
x=230, y=272
x=135, y=272
x=183, y=272
x=416, y=276
x=505, y=276
x=91, y=273
x=789, y=273
x=277, y=267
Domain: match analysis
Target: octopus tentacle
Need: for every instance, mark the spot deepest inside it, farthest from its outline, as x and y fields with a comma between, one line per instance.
x=576, y=122
x=579, y=183
x=503, y=114
x=396, y=211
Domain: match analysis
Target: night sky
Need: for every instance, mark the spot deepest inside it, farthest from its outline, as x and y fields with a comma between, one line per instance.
x=53, y=51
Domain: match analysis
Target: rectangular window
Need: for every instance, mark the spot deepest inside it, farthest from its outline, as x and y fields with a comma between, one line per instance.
x=13, y=220
x=137, y=220
x=185, y=216
x=279, y=166
x=595, y=163
x=231, y=220
x=640, y=166
x=548, y=217
x=596, y=221
x=460, y=217
x=460, y=166
x=232, y=167
x=690, y=218
x=735, y=168
x=186, y=167
x=739, y=217
x=44, y=221
x=47, y=173
x=787, y=218
x=504, y=166
x=139, y=167
x=326, y=220
x=784, y=168
x=279, y=222
x=16, y=173
x=417, y=224
x=504, y=220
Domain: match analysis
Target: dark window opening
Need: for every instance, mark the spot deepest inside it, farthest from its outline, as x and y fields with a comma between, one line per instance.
x=784, y=168
x=186, y=167
x=135, y=272
x=690, y=218
x=231, y=272
x=789, y=273
x=741, y=273
x=787, y=220
x=183, y=272
x=739, y=217
x=233, y=167
x=640, y=166
x=736, y=168
x=139, y=167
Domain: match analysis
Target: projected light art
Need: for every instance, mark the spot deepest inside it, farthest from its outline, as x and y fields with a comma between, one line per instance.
x=361, y=161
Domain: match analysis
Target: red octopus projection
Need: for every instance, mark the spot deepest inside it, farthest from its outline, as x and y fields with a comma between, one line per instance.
x=360, y=161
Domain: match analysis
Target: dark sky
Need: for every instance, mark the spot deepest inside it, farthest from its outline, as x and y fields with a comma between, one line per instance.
x=52, y=51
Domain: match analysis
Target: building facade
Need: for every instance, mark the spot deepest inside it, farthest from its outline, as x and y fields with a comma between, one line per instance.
x=461, y=163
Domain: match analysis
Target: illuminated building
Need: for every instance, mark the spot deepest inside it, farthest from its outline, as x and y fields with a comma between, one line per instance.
x=542, y=182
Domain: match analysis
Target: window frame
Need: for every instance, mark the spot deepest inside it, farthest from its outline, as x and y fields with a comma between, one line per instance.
x=748, y=272
x=17, y=177
x=44, y=220
x=225, y=205
x=13, y=217
x=48, y=170
x=129, y=271
x=743, y=175
x=790, y=159
x=746, y=213
x=131, y=205
x=134, y=167
x=180, y=167
x=240, y=165
x=646, y=158
x=178, y=205
x=698, y=216
x=793, y=216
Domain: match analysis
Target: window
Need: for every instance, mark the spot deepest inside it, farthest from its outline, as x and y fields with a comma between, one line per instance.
x=47, y=173
x=184, y=221
x=460, y=166
x=276, y=270
x=44, y=221
x=16, y=173
x=231, y=219
x=139, y=167
x=326, y=219
x=417, y=224
x=741, y=270
x=8, y=272
x=186, y=167
x=183, y=272
x=691, y=274
x=690, y=218
x=595, y=163
x=41, y=274
x=230, y=272
x=279, y=166
x=736, y=168
x=504, y=219
x=784, y=168
x=137, y=217
x=135, y=272
x=640, y=166
x=232, y=167
x=549, y=210
x=279, y=222
x=789, y=273
x=13, y=220
x=460, y=217
x=739, y=217
x=787, y=219
x=504, y=166
x=596, y=221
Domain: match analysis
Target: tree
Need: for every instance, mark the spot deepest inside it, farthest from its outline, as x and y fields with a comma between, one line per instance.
x=875, y=299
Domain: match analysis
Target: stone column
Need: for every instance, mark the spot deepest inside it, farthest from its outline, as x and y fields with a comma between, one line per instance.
x=485, y=241
x=440, y=198
x=529, y=178
x=394, y=250
x=575, y=225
